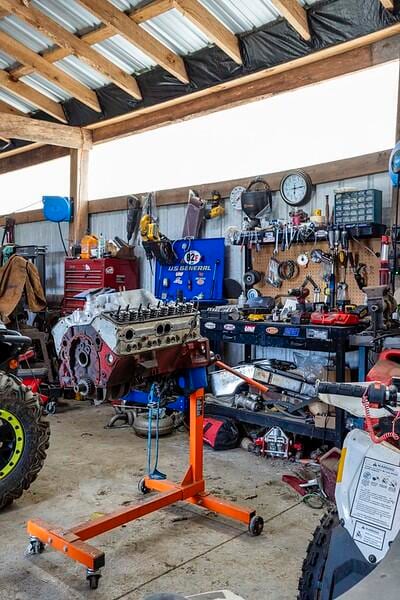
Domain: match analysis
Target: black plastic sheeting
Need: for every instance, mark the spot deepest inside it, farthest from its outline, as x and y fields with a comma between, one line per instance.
x=331, y=22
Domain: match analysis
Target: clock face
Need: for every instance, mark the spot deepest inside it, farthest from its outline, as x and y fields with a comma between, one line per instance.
x=296, y=188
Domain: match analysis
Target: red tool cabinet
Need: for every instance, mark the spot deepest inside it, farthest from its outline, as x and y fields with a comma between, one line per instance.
x=81, y=275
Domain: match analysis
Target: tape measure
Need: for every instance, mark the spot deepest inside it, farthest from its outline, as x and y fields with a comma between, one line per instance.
x=253, y=294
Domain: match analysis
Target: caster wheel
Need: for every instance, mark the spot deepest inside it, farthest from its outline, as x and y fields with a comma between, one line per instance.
x=34, y=547
x=256, y=526
x=51, y=408
x=142, y=487
x=93, y=580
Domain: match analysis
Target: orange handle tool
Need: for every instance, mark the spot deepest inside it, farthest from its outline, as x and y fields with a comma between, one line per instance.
x=259, y=386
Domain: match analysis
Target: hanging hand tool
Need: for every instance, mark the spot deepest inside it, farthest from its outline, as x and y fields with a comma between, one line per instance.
x=217, y=262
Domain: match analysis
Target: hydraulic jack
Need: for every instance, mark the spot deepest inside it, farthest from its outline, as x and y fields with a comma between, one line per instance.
x=73, y=542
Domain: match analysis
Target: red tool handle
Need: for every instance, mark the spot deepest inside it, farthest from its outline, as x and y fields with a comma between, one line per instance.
x=259, y=386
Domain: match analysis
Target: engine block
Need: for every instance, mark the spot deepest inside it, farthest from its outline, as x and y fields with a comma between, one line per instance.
x=120, y=339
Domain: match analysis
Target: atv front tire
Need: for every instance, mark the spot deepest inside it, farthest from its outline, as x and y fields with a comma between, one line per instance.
x=314, y=564
x=24, y=438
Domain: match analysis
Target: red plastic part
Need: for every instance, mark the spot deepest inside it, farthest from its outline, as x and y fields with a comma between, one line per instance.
x=334, y=318
x=34, y=384
x=387, y=367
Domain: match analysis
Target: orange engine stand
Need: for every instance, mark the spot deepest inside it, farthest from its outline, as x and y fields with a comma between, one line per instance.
x=72, y=542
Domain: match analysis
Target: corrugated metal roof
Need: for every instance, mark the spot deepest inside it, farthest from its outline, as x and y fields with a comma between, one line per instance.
x=242, y=15
x=176, y=32
x=27, y=35
x=124, y=54
x=17, y=103
x=171, y=29
x=48, y=88
x=6, y=61
x=82, y=72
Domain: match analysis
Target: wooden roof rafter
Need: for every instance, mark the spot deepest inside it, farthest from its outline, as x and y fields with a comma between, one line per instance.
x=211, y=27
x=389, y=4
x=49, y=71
x=122, y=24
x=191, y=9
x=27, y=93
x=73, y=45
x=294, y=14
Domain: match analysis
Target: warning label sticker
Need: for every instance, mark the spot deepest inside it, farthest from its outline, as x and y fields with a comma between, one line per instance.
x=377, y=493
x=369, y=535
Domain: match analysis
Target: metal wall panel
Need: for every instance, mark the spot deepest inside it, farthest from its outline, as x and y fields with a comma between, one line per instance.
x=47, y=234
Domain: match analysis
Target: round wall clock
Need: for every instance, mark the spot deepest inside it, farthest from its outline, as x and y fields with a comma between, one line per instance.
x=296, y=188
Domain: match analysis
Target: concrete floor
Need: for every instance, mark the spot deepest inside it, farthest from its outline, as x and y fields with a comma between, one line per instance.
x=90, y=471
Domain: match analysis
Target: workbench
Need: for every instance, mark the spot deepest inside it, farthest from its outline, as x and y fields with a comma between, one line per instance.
x=334, y=340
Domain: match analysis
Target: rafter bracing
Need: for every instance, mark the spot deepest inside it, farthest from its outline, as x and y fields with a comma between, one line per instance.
x=389, y=4
x=73, y=45
x=122, y=24
x=25, y=92
x=34, y=130
x=295, y=14
x=48, y=70
x=214, y=30
x=151, y=10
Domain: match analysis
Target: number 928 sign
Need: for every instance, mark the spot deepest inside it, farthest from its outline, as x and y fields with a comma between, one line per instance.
x=193, y=257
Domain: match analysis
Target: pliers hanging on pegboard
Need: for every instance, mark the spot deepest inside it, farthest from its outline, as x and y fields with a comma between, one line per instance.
x=359, y=270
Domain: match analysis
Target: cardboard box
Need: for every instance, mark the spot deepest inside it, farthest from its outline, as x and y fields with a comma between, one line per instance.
x=325, y=422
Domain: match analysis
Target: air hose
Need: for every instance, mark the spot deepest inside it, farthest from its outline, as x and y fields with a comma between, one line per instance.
x=154, y=403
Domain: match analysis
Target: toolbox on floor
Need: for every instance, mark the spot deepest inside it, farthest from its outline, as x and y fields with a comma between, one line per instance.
x=85, y=274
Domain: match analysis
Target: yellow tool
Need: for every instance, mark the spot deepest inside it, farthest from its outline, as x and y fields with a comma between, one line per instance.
x=149, y=229
x=254, y=317
x=215, y=207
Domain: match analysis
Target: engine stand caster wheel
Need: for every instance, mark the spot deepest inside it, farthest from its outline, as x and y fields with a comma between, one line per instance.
x=256, y=526
x=93, y=577
x=51, y=408
x=142, y=487
x=34, y=547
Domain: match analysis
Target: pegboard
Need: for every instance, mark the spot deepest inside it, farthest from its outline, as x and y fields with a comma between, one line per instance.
x=261, y=260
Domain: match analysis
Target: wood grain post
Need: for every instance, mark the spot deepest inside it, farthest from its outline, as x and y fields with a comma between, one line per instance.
x=79, y=171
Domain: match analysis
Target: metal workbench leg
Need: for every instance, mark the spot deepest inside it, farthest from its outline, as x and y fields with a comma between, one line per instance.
x=340, y=376
x=362, y=363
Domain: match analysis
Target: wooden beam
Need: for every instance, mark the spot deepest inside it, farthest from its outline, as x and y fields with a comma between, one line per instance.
x=48, y=70
x=10, y=110
x=151, y=10
x=34, y=154
x=389, y=4
x=79, y=170
x=123, y=25
x=214, y=30
x=295, y=14
x=25, y=92
x=73, y=45
x=33, y=130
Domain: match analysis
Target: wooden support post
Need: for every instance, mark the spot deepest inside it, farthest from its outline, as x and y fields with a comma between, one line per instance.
x=79, y=170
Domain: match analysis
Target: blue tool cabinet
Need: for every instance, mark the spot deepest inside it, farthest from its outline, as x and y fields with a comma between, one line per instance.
x=197, y=274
